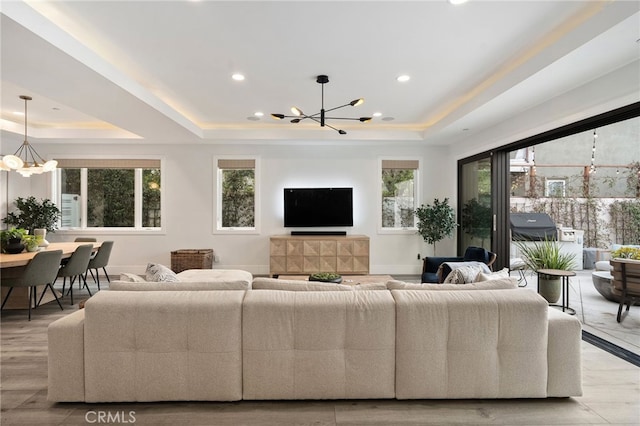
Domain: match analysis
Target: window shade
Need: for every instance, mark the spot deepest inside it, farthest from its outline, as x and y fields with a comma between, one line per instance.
x=237, y=164
x=400, y=164
x=113, y=163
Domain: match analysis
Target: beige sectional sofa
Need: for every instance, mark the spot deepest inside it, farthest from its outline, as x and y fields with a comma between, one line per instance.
x=265, y=343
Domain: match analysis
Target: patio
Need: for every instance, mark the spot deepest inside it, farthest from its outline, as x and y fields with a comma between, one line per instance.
x=598, y=315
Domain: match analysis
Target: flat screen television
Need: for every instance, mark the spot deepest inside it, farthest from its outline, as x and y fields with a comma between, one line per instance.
x=311, y=207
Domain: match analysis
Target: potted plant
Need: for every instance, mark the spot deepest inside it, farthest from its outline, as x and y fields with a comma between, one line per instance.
x=31, y=242
x=32, y=214
x=11, y=240
x=326, y=277
x=435, y=222
x=546, y=254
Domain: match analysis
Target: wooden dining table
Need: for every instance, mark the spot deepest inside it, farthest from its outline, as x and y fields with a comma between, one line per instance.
x=13, y=264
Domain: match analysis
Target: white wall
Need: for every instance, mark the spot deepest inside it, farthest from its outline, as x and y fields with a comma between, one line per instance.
x=189, y=196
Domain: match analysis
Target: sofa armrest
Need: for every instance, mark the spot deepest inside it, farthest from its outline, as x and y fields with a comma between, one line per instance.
x=66, y=358
x=564, y=355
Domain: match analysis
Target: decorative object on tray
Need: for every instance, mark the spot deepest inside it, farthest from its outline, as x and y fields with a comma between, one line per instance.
x=326, y=277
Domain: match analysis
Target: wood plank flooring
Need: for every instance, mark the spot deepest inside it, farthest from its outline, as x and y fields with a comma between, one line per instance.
x=611, y=395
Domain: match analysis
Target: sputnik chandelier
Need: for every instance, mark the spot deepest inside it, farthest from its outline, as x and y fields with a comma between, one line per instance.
x=26, y=159
x=321, y=117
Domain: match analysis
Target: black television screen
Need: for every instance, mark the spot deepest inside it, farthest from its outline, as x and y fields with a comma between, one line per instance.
x=306, y=207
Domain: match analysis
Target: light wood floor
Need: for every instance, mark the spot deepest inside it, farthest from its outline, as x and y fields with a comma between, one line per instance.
x=611, y=396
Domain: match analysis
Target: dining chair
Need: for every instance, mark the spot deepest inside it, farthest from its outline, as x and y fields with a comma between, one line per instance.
x=76, y=268
x=41, y=270
x=85, y=240
x=100, y=260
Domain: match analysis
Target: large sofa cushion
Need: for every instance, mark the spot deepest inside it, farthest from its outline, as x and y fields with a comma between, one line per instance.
x=318, y=345
x=497, y=284
x=163, y=346
x=470, y=344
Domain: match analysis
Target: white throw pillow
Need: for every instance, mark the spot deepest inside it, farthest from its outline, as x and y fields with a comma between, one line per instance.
x=157, y=272
x=504, y=273
x=463, y=275
x=132, y=278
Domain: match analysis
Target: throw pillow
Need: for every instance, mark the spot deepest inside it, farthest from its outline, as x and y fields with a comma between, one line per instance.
x=504, y=273
x=132, y=278
x=157, y=272
x=463, y=275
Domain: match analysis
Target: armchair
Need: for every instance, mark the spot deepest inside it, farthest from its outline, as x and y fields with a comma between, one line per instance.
x=432, y=272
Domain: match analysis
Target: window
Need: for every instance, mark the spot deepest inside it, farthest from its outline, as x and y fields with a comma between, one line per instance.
x=109, y=193
x=236, y=194
x=554, y=188
x=398, y=193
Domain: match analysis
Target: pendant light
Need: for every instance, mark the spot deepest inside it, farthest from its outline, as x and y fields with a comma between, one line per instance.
x=26, y=159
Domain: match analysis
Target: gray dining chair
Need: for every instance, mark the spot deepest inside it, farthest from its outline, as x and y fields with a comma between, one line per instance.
x=100, y=260
x=76, y=268
x=41, y=270
x=85, y=240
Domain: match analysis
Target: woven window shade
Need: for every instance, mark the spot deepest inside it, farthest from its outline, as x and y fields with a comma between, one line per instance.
x=400, y=164
x=114, y=163
x=237, y=164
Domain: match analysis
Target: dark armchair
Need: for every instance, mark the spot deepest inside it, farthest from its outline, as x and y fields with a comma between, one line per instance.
x=431, y=272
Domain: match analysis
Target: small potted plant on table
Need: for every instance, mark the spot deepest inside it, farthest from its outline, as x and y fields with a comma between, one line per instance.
x=326, y=277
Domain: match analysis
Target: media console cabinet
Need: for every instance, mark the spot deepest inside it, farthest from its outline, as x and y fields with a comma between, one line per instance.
x=307, y=254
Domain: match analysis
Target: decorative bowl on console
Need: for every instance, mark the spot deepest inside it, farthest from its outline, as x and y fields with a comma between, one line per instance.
x=326, y=277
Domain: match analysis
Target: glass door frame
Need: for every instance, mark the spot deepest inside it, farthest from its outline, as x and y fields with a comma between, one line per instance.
x=500, y=178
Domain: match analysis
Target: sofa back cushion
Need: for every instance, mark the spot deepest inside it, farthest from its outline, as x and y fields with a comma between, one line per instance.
x=163, y=346
x=261, y=283
x=318, y=344
x=497, y=284
x=176, y=286
x=470, y=344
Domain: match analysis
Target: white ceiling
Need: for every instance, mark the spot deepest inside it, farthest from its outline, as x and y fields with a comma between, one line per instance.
x=160, y=71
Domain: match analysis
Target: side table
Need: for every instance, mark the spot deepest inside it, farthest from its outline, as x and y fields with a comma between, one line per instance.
x=564, y=276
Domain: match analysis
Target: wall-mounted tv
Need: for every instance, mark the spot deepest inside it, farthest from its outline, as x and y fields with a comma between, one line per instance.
x=310, y=207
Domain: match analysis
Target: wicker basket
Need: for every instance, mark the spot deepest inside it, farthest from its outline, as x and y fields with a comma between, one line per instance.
x=191, y=259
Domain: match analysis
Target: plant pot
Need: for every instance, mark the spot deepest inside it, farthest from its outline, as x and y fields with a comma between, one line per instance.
x=14, y=246
x=549, y=288
x=42, y=233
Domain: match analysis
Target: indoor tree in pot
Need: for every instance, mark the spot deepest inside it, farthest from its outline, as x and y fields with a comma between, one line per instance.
x=435, y=222
x=32, y=214
x=546, y=254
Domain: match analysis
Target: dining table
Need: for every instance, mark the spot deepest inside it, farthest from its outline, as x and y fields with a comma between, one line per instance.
x=12, y=265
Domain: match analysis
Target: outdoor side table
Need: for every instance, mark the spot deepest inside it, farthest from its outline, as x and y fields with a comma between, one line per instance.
x=564, y=276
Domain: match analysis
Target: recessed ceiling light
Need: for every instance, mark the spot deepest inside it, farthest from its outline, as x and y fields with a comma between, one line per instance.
x=237, y=77
x=258, y=113
x=457, y=1
x=18, y=113
x=377, y=114
x=402, y=78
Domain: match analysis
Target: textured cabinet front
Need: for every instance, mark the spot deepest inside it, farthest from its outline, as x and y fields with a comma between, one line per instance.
x=308, y=254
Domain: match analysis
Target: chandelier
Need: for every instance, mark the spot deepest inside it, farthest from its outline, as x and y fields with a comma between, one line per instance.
x=321, y=117
x=26, y=159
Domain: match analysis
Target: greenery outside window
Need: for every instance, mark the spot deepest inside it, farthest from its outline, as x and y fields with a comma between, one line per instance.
x=399, y=194
x=236, y=199
x=109, y=193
